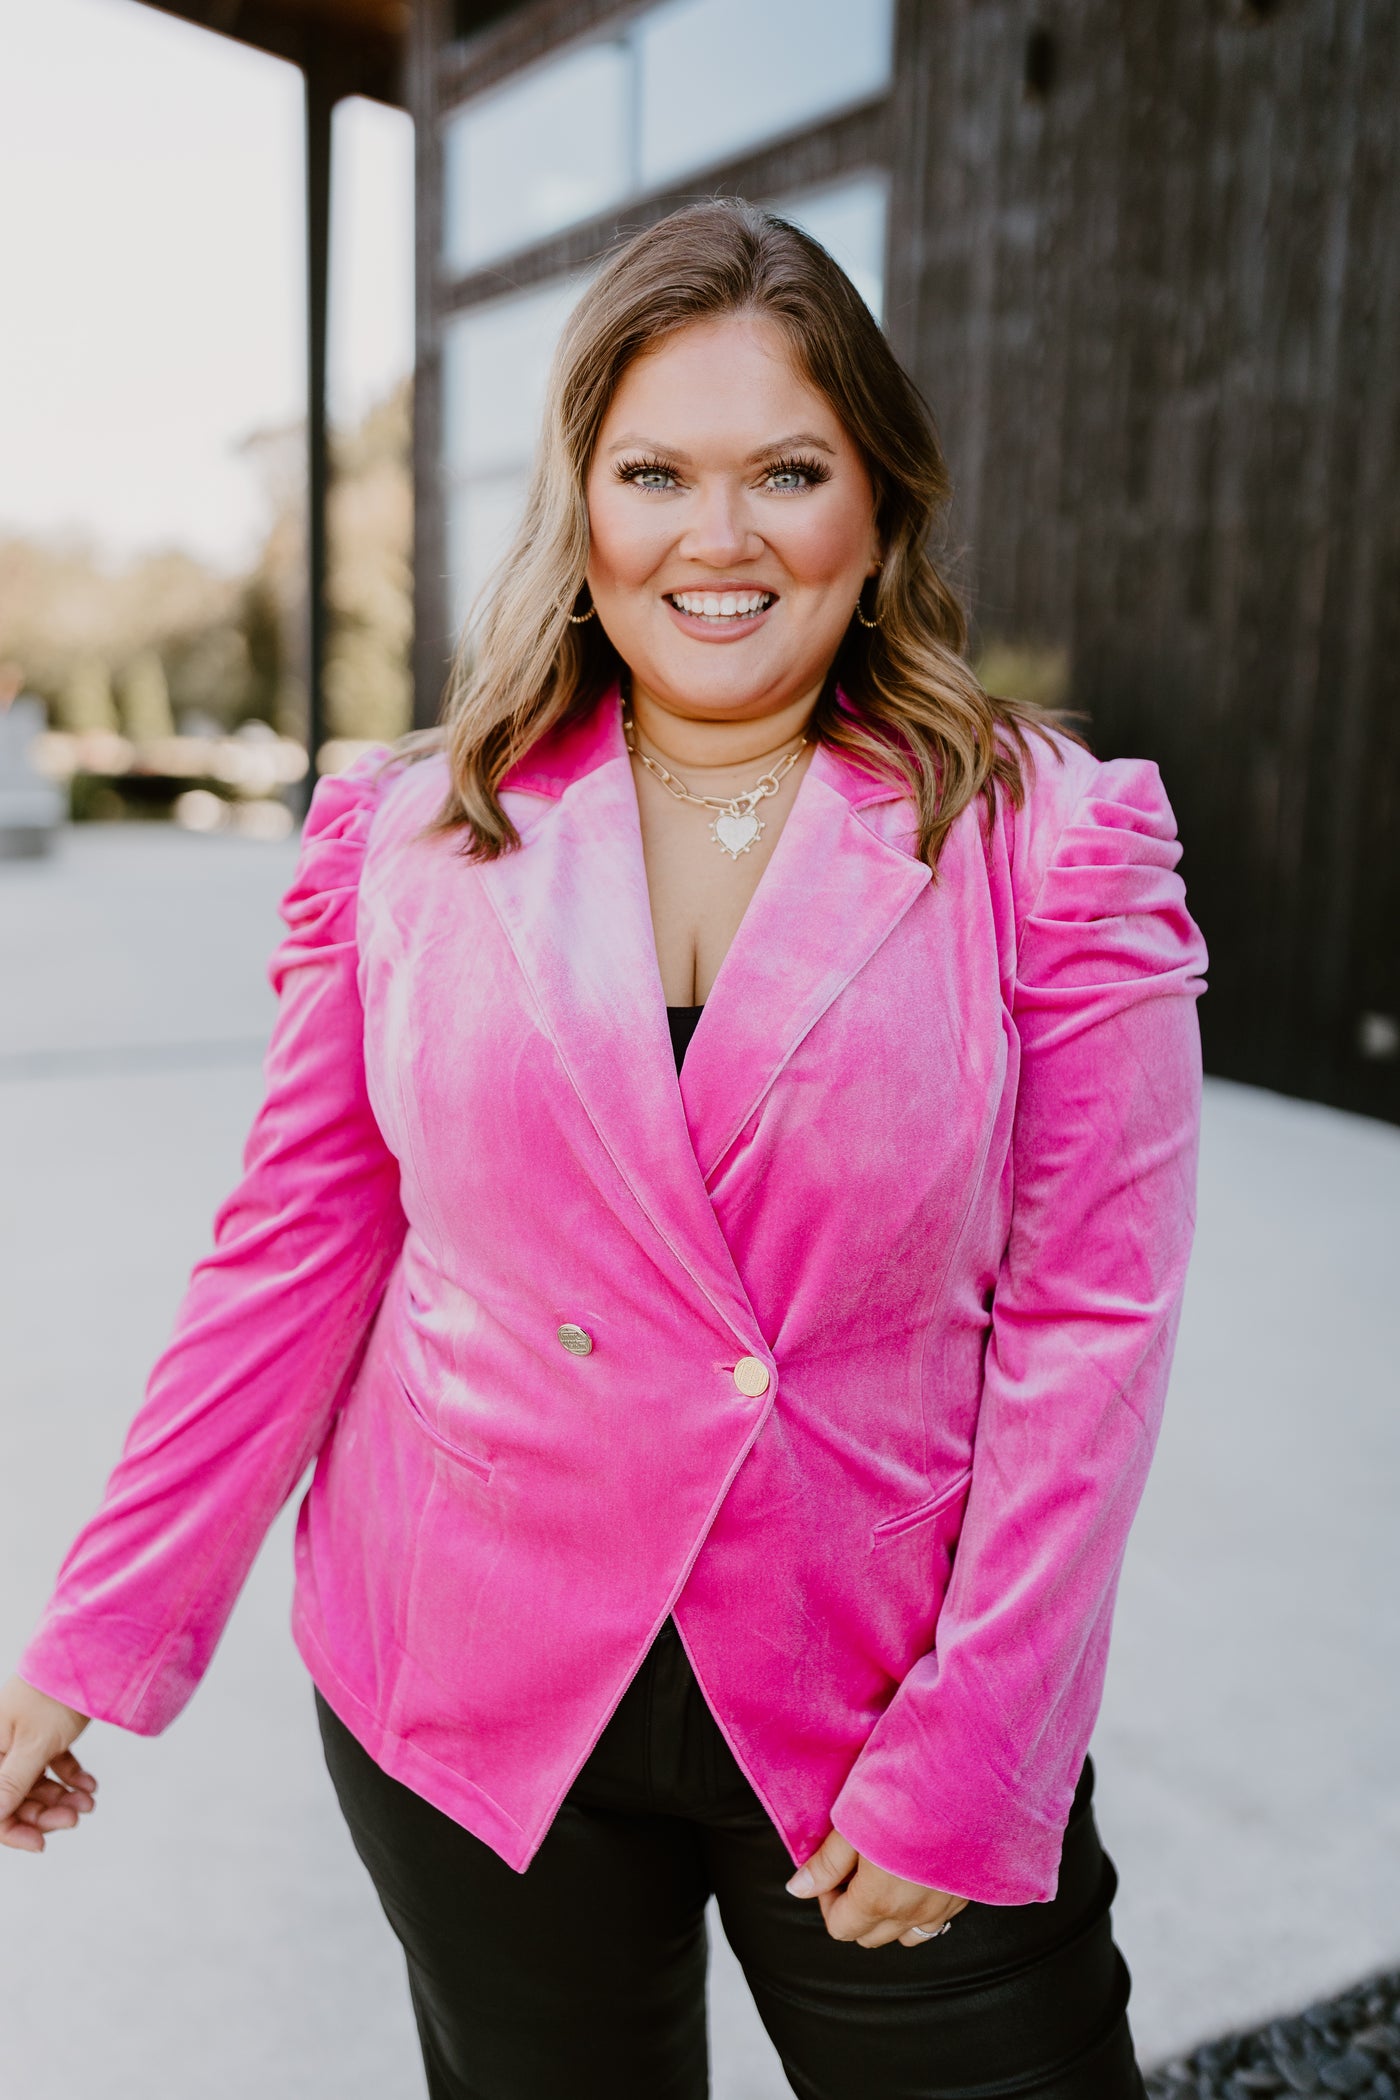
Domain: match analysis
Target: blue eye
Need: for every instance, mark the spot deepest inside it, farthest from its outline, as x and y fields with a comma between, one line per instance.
x=651, y=474
x=787, y=474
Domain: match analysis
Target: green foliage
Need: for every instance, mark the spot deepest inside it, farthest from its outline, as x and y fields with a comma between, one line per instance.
x=1038, y=673
x=145, y=698
x=368, y=679
x=85, y=701
x=208, y=672
x=262, y=623
x=92, y=799
x=232, y=648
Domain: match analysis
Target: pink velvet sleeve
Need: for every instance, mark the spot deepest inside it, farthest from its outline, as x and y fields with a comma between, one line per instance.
x=267, y=1334
x=966, y=1782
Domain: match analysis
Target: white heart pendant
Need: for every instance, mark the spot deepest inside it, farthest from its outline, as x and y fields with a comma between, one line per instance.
x=735, y=834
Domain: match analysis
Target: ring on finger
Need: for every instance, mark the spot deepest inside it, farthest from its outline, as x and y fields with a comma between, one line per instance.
x=931, y=1932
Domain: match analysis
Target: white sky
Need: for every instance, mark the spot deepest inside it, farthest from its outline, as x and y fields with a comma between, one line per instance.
x=152, y=272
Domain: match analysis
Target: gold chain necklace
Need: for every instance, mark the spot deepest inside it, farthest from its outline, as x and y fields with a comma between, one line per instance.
x=736, y=823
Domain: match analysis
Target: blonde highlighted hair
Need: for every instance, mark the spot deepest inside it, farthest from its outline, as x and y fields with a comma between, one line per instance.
x=915, y=711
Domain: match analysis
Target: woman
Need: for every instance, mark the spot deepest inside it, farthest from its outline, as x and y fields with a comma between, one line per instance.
x=723, y=1465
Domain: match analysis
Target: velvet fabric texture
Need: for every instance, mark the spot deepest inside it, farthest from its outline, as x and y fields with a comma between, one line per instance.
x=930, y=1159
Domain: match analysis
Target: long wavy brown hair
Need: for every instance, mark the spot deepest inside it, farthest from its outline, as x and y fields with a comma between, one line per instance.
x=915, y=710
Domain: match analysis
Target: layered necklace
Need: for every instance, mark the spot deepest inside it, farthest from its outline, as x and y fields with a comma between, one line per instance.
x=736, y=824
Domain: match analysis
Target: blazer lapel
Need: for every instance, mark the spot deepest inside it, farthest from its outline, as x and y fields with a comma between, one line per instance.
x=834, y=889
x=573, y=904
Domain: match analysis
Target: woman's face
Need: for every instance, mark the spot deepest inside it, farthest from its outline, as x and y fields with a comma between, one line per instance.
x=732, y=524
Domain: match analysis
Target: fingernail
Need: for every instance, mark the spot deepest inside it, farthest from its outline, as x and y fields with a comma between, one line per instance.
x=801, y=1884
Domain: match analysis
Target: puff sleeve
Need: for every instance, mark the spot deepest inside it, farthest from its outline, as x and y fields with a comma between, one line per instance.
x=267, y=1335
x=966, y=1782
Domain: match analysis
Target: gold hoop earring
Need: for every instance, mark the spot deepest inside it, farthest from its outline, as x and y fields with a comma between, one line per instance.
x=860, y=614
x=582, y=619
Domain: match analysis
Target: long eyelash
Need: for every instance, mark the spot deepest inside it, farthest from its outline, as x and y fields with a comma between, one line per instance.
x=814, y=469
x=628, y=469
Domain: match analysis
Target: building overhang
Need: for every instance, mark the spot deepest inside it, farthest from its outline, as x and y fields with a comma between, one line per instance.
x=355, y=47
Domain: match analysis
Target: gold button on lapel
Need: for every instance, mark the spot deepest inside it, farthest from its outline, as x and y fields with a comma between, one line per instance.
x=751, y=1376
x=577, y=1340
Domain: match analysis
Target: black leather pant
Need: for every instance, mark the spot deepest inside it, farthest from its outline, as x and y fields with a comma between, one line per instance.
x=584, y=1977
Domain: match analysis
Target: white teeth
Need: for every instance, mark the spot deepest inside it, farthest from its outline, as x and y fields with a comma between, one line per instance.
x=721, y=605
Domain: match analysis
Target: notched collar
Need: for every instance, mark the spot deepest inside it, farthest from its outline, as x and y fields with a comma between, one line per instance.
x=573, y=903
x=576, y=748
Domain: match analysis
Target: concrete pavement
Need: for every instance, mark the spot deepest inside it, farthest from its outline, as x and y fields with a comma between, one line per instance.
x=210, y=1931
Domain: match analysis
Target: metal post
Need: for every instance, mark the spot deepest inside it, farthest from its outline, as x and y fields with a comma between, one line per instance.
x=320, y=102
x=430, y=31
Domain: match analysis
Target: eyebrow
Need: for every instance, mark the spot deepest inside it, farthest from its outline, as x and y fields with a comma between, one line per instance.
x=634, y=442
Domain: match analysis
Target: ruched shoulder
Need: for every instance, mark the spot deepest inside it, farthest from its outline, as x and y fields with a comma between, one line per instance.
x=1108, y=924
x=318, y=908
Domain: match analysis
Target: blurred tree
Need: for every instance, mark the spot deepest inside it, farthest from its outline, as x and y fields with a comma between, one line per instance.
x=208, y=672
x=60, y=603
x=370, y=583
x=145, y=699
x=274, y=591
x=85, y=702
x=263, y=620
x=368, y=689
x=231, y=647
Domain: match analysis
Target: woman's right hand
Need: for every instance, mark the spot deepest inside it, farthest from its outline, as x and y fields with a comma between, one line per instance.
x=35, y=1732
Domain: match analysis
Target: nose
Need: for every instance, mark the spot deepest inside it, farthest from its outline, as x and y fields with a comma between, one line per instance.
x=718, y=532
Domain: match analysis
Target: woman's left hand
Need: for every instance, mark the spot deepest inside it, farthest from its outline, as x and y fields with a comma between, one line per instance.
x=861, y=1902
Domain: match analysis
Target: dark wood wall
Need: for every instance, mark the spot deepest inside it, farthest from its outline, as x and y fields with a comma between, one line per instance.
x=1145, y=264
x=1146, y=267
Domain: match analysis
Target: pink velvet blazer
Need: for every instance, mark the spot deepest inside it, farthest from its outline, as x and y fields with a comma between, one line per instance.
x=930, y=1163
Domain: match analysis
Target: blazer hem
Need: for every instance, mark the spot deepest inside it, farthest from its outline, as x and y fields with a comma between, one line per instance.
x=461, y=1799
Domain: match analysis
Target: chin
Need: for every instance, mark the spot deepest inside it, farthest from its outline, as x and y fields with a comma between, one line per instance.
x=693, y=684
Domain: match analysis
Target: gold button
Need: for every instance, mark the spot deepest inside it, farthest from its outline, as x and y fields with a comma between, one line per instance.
x=577, y=1340
x=751, y=1376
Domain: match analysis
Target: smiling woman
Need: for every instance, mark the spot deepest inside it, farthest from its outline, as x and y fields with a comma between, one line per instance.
x=647, y=485
x=726, y=553
x=727, y=532
x=718, y=1220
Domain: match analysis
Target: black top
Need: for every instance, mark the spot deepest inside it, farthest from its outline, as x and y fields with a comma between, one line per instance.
x=682, y=1020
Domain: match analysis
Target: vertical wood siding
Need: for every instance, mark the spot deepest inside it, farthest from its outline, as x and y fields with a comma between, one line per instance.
x=1145, y=265
x=1154, y=299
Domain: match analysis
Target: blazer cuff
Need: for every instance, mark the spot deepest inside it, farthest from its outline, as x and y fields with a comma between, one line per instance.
x=977, y=1840
x=111, y=1669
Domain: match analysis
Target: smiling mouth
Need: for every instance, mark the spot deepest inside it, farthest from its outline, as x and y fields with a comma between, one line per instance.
x=719, y=607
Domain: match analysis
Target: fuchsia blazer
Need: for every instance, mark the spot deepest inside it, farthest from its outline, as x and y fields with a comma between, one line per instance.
x=930, y=1161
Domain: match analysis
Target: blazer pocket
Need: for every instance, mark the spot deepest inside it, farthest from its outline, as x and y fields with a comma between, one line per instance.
x=924, y=1512
x=472, y=1460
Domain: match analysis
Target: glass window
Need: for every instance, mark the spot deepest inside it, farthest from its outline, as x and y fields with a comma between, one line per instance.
x=543, y=152
x=495, y=373
x=481, y=521
x=849, y=221
x=682, y=87
x=716, y=76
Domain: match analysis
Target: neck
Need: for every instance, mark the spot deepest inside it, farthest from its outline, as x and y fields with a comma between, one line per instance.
x=718, y=741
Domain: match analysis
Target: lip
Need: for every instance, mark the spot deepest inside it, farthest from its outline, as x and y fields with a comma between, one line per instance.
x=733, y=629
